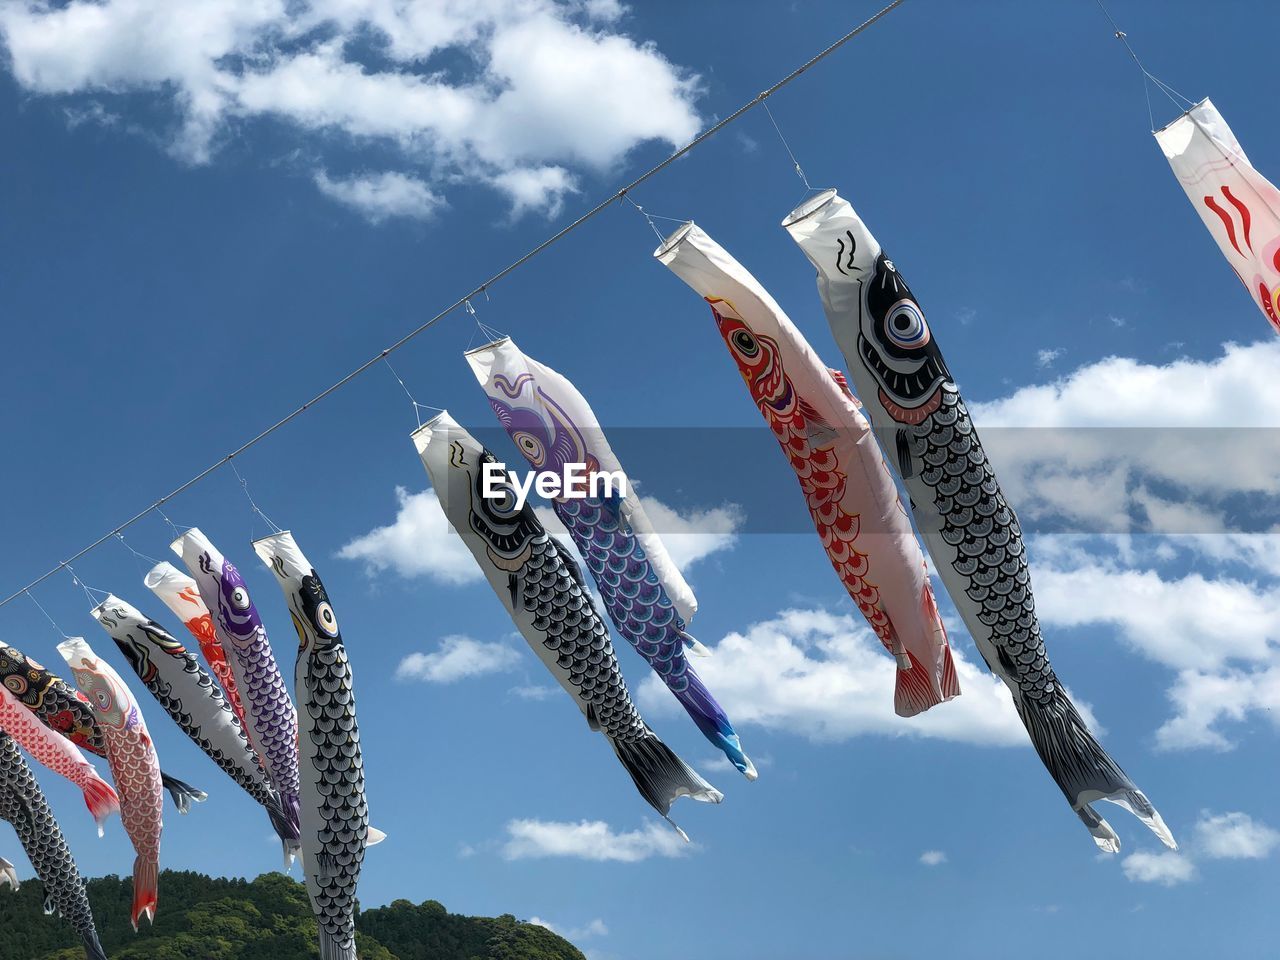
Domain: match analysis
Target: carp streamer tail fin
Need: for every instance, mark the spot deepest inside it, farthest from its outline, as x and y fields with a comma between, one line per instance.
x=183, y=793
x=92, y=946
x=661, y=776
x=146, y=878
x=713, y=722
x=101, y=800
x=1084, y=771
x=288, y=833
x=8, y=875
x=916, y=691
x=337, y=946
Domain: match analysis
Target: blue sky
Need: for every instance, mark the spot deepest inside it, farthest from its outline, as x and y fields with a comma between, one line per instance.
x=194, y=240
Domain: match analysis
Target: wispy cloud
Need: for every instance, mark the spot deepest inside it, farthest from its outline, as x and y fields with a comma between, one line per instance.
x=381, y=196
x=825, y=676
x=1167, y=869
x=458, y=657
x=419, y=543
x=1046, y=357
x=933, y=858
x=539, y=85
x=1234, y=836
x=590, y=840
x=590, y=930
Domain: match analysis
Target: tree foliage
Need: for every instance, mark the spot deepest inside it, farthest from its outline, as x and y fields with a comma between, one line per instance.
x=208, y=918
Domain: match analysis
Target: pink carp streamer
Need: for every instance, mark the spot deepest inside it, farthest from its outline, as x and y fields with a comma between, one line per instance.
x=847, y=485
x=1239, y=206
x=180, y=594
x=58, y=754
x=134, y=766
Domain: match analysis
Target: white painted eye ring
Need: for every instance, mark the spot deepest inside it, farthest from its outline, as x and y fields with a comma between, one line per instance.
x=905, y=327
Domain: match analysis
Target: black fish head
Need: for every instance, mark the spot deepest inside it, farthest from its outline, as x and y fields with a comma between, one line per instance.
x=895, y=341
x=318, y=611
x=507, y=528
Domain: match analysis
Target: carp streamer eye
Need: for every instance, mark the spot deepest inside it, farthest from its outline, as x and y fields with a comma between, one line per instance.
x=240, y=598
x=905, y=326
x=531, y=447
x=326, y=621
x=745, y=344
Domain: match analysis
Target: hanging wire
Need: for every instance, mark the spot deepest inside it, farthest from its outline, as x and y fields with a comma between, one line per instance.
x=157, y=508
x=650, y=217
x=403, y=386
x=139, y=558
x=88, y=590
x=1147, y=76
x=32, y=597
x=244, y=485
x=482, y=288
x=786, y=146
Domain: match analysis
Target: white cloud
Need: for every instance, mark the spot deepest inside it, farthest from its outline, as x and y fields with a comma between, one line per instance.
x=933, y=858
x=825, y=676
x=536, y=189
x=696, y=534
x=534, y=692
x=380, y=196
x=1045, y=358
x=595, y=928
x=1234, y=836
x=1167, y=869
x=590, y=840
x=420, y=543
x=532, y=85
x=458, y=657
x=1191, y=442
x=1220, y=632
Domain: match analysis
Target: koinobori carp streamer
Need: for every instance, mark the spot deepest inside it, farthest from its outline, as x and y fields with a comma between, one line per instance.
x=969, y=528
x=194, y=701
x=272, y=723
x=62, y=708
x=180, y=594
x=552, y=426
x=1239, y=206
x=847, y=486
x=134, y=766
x=23, y=804
x=333, y=814
x=57, y=753
x=542, y=590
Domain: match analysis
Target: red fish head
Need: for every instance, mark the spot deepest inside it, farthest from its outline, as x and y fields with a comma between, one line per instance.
x=758, y=360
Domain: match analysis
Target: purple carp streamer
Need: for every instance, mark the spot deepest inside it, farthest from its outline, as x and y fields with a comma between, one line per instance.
x=134, y=766
x=553, y=426
x=542, y=590
x=23, y=804
x=847, y=486
x=193, y=699
x=970, y=530
x=1239, y=206
x=273, y=723
x=334, y=815
x=62, y=708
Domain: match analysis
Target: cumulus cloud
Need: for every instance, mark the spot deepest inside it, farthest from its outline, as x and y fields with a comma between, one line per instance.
x=419, y=543
x=456, y=658
x=1234, y=836
x=825, y=676
x=590, y=840
x=1216, y=629
x=695, y=534
x=933, y=858
x=1121, y=445
x=1167, y=869
x=531, y=88
x=380, y=196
